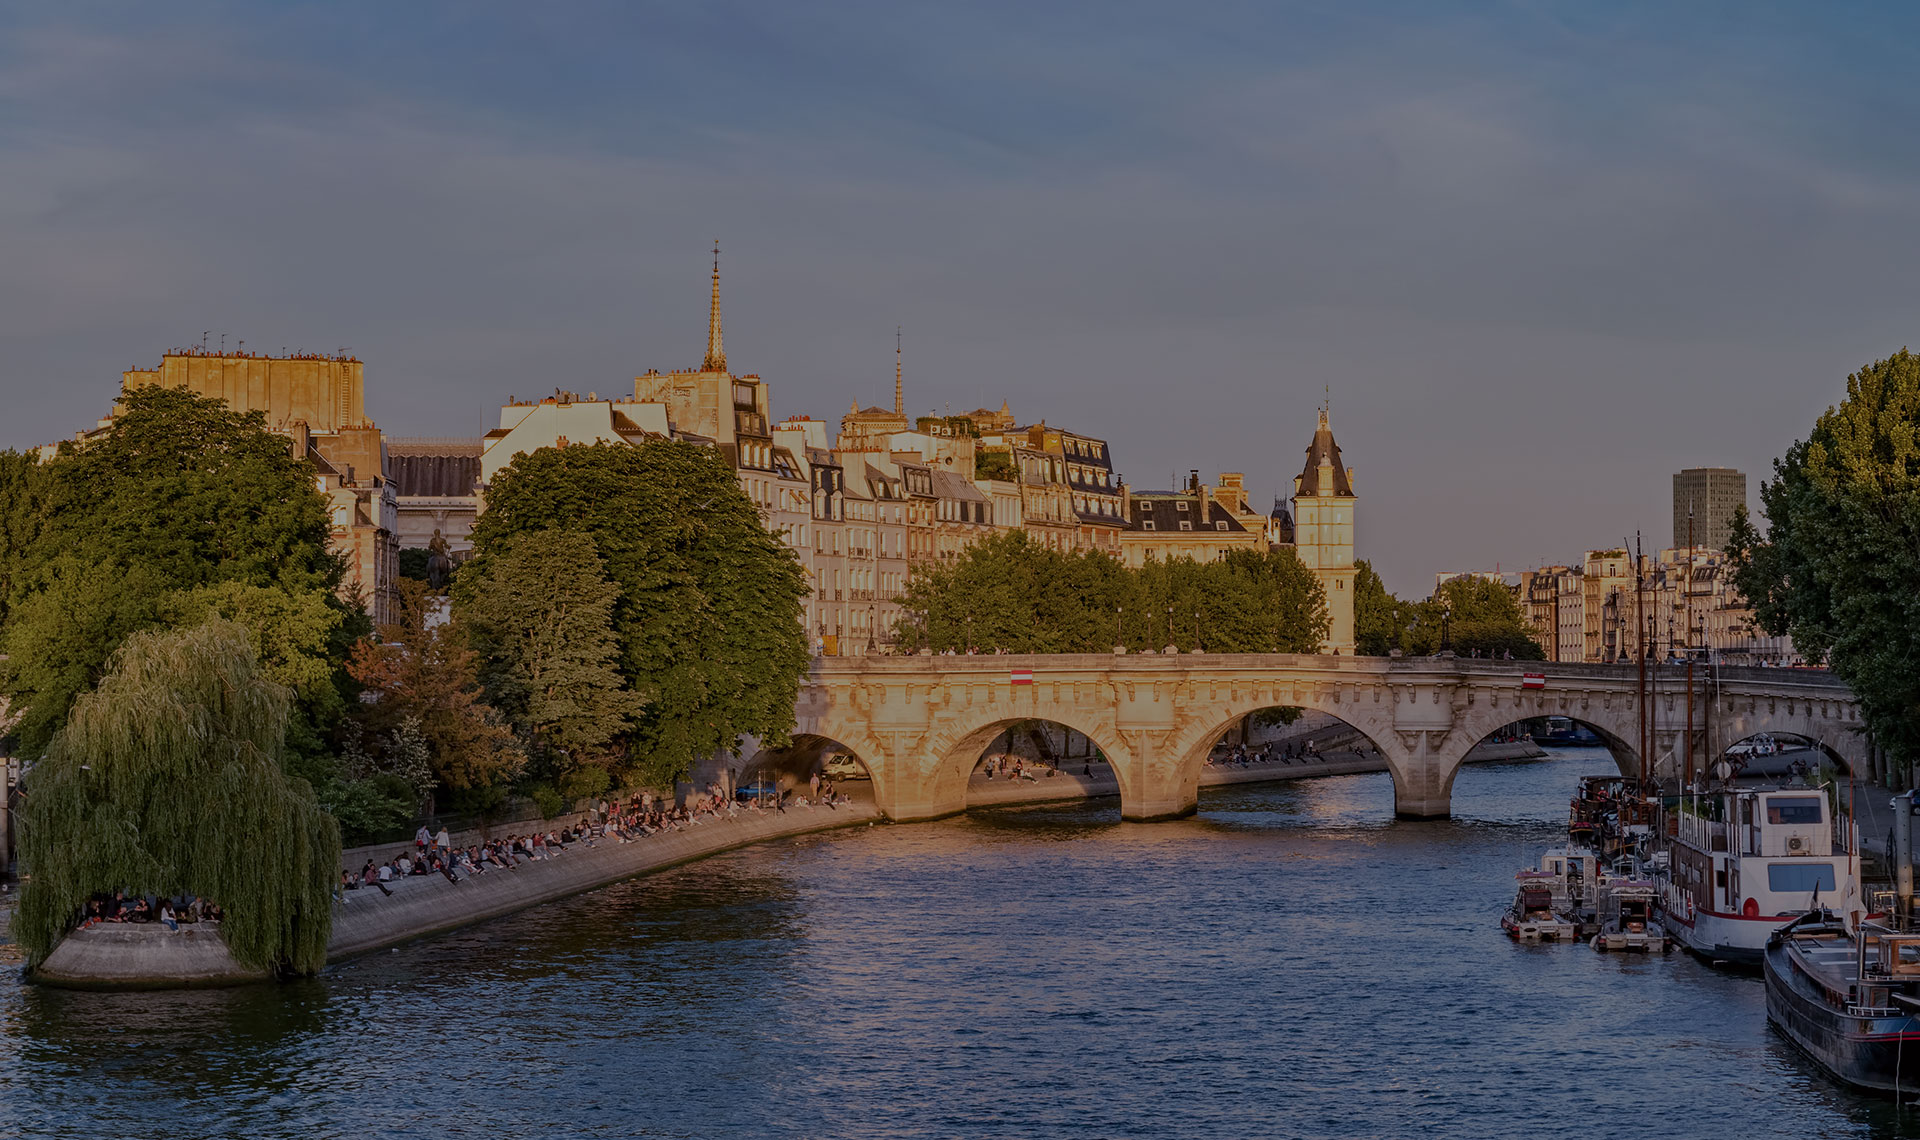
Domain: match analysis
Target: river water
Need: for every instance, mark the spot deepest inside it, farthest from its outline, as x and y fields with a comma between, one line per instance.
x=1291, y=962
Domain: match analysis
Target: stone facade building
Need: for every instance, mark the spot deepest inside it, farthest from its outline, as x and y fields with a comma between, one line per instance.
x=1323, y=524
x=319, y=404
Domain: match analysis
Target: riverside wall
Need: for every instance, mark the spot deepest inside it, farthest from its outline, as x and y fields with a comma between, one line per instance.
x=149, y=956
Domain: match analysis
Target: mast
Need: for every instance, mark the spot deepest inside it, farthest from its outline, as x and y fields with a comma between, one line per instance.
x=1640, y=636
x=1687, y=780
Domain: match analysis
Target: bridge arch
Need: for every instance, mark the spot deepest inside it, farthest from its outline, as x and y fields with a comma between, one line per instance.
x=792, y=764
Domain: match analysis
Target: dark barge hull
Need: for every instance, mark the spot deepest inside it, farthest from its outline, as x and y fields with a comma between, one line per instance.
x=1880, y=1054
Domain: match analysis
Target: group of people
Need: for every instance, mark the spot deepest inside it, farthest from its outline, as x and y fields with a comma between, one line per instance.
x=639, y=816
x=1016, y=768
x=168, y=911
x=1240, y=756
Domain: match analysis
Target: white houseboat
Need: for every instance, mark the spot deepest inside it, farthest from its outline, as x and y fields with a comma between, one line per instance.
x=1743, y=862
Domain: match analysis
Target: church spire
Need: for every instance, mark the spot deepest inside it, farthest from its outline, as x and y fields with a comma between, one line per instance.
x=899, y=392
x=716, y=348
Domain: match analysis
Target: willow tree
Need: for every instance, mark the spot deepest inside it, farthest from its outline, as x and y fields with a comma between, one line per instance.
x=169, y=778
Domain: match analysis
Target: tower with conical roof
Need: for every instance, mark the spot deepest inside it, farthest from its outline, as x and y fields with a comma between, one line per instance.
x=1323, y=510
x=716, y=346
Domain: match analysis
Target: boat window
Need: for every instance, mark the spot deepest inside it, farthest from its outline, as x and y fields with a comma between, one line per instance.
x=1798, y=876
x=1793, y=809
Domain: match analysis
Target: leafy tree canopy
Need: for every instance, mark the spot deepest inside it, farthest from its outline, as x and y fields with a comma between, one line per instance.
x=179, y=509
x=420, y=669
x=709, y=608
x=1008, y=592
x=167, y=779
x=1839, y=567
x=1484, y=619
x=539, y=611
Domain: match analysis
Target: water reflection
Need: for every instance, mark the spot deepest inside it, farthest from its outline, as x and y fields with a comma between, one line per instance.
x=1291, y=961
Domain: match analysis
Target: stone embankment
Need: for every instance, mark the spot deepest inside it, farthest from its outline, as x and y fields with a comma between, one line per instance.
x=149, y=956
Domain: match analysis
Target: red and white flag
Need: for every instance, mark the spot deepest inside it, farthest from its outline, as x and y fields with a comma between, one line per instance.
x=1533, y=681
x=1021, y=676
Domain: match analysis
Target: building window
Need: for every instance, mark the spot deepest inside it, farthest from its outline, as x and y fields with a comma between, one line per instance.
x=1185, y=525
x=1220, y=524
x=1146, y=524
x=1181, y=505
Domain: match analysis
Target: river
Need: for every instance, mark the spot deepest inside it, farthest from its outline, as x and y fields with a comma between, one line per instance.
x=1290, y=962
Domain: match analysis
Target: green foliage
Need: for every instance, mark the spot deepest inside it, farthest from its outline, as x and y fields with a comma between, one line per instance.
x=994, y=465
x=1008, y=592
x=168, y=778
x=422, y=671
x=546, y=801
x=1485, y=618
x=413, y=562
x=538, y=609
x=1380, y=620
x=1839, y=568
x=22, y=480
x=149, y=524
x=1275, y=717
x=708, y=616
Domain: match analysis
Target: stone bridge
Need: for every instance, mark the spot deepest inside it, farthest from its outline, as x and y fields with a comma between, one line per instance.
x=920, y=724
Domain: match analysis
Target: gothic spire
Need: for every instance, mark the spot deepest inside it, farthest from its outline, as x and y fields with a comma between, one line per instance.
x=716, y=348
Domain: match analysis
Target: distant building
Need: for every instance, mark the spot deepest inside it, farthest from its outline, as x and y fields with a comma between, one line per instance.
x=319, y=403
x=437, y=485
x=1711, y=494
x=1323, y=513
x=1184, y=524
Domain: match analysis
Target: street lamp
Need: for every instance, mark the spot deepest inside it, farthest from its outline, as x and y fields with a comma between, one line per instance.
x=1169, y=626
x=1117, y=643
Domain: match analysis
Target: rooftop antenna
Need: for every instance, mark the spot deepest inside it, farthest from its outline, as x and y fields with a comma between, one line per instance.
x=203, y=339
x=223, y=344
x=241, y=348
x=899, y=393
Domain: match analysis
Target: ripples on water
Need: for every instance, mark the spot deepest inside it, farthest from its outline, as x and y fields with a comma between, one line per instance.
x=1292, y=962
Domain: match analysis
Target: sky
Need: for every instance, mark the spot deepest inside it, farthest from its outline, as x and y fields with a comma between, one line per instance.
x=1538, y=256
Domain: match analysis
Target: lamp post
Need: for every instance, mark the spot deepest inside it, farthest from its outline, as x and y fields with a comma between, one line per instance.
x=1169, y=625
x=1446, y=627
x=1117, y=643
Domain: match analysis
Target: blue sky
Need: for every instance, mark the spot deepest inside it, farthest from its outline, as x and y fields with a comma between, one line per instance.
x=1542, y=254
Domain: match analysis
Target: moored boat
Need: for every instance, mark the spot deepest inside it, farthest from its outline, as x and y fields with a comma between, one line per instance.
x=1743, y=862
x=1532, y=917
x=1849, y=1000
x=1626, y=919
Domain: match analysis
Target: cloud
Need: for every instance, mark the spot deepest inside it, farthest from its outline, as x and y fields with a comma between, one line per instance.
x=1543, y=257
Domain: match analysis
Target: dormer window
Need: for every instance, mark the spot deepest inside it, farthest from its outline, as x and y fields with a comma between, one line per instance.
x=1181, y=505
x=1146, y=524
x=1220, y=524
x=1185, y=525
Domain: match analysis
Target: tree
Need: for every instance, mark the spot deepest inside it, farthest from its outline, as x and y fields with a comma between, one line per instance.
x=1380, y=620
x=179, y=494
x=538, y=608
x=1009, y=592
x=1484, y=618
x=168, y=778
x=22, y=480
x=1839, y=568
x=708, y=618
x=420, y=669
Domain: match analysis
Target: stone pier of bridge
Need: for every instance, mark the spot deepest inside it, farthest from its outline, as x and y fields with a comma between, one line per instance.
x=919, y=725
